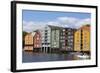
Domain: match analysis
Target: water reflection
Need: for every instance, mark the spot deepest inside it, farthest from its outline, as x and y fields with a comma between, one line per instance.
x=44, y=57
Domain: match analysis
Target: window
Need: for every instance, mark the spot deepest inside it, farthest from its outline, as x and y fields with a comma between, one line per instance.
x=71, y=40
x=63, y=29
x=45, y=37
x=77, y=40
x=69, y=33
x=43, y=43
x=46, y=31
x=37, y=38
x=71, y=36
x=37, y=45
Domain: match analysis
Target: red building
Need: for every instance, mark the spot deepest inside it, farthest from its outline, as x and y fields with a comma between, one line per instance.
x=37, y=40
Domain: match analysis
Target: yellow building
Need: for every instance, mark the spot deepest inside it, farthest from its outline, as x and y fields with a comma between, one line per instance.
x=77, y=40
x=28, y=39
x=28, y=46
x=82, y=39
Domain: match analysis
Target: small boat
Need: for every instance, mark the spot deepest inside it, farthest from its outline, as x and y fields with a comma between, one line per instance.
x=83, y=56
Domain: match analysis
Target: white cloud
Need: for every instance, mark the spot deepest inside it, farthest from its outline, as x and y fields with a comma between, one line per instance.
x=69, y=22
x=68, y=19
x=31, y=26
x=73, y=22
x=83, y=22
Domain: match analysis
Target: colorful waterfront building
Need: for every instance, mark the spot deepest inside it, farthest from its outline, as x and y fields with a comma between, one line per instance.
x=37, y=41
x=69, y=39
x=55, y=38
x=46, y=38
x=62, y=39
x=82, y=39
x=28, y=45
x=77, y=40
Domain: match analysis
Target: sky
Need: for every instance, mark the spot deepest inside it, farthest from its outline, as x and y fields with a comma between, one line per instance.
x=32, y=19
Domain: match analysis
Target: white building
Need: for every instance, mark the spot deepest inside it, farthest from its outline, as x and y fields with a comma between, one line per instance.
x=62, y=39
x=45, y=34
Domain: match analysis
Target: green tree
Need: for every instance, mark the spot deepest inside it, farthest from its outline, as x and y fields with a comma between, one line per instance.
x=24, y=33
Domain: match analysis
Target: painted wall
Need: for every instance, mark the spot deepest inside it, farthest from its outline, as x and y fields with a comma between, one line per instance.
x=82, y=36
x=55, y=38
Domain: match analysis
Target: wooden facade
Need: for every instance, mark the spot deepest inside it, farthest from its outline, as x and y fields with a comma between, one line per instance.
x=37, y=40
x=82, y=39
x=28, y=45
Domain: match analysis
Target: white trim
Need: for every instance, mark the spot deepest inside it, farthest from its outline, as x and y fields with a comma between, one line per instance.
x=36, y=65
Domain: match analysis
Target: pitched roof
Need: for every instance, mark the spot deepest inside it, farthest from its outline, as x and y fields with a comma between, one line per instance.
x=33, y=33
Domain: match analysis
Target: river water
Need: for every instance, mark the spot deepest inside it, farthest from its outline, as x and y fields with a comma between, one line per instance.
x=44, y=57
